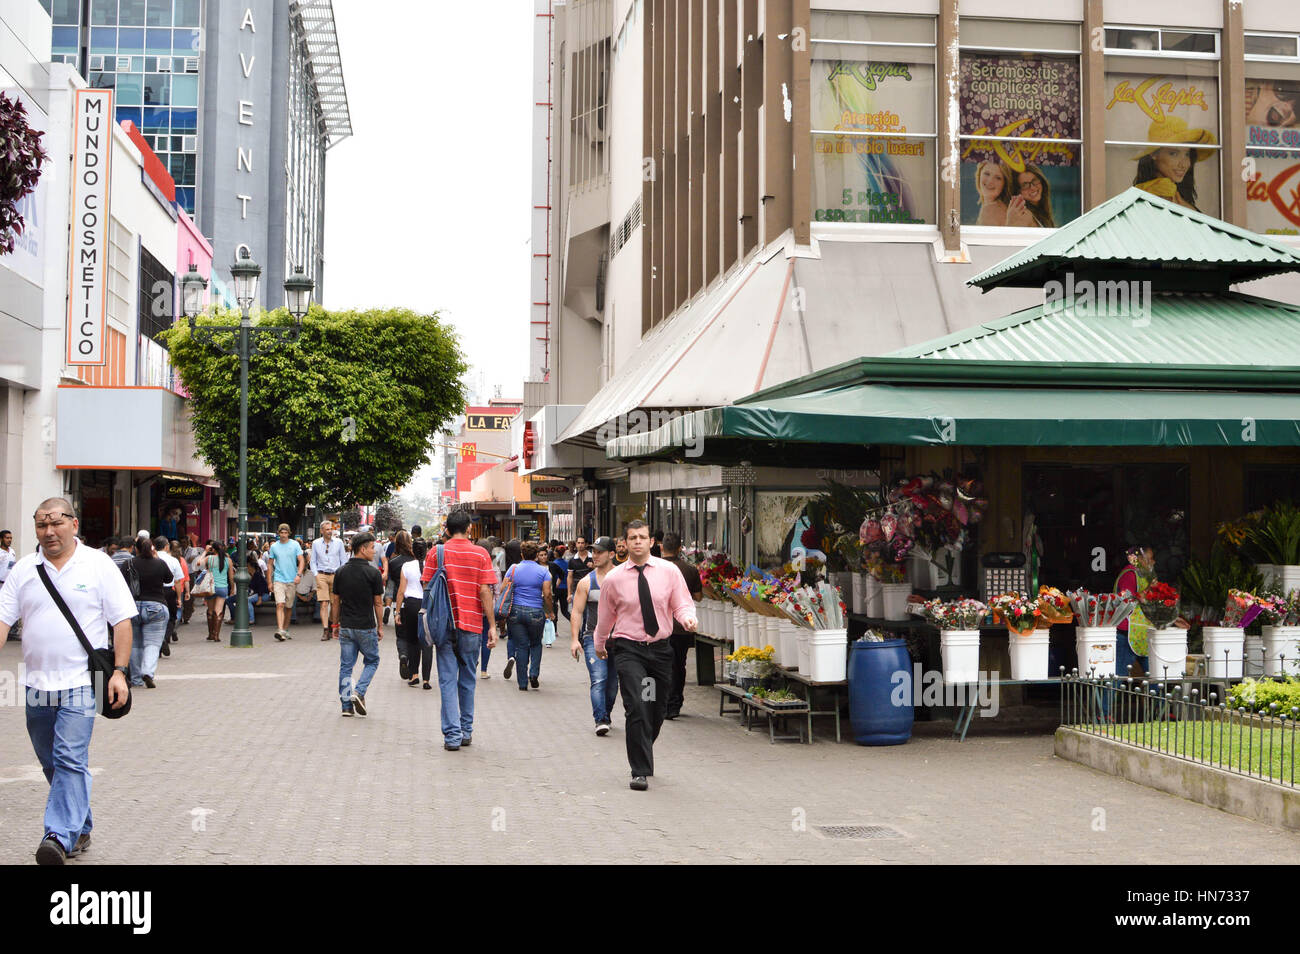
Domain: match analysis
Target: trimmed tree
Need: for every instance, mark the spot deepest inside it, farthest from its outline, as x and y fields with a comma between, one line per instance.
x=336, y=417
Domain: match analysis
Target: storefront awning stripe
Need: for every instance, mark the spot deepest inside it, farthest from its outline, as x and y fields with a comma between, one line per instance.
x=881, y=414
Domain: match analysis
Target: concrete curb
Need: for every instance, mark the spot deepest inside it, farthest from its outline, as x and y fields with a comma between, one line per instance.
x=1252, y=798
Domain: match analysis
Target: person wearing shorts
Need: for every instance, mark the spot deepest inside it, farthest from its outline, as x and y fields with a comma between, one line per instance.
x=287, y=560
x=327, y=557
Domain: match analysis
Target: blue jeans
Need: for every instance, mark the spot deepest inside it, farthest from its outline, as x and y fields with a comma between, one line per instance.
x=486, y=652
x=457, y=679
x=604, y=681
x=524, y=629
x=59, y=724
x=352, y=641
x=148, y=630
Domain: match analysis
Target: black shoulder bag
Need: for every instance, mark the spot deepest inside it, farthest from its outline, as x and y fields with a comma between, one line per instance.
x=101, y=661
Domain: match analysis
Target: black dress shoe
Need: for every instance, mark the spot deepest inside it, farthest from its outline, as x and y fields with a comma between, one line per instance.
x=165, y=650
x=450, y=748
x=50, y=852
x=148, y=681
x=638, y=783
x=532, y=681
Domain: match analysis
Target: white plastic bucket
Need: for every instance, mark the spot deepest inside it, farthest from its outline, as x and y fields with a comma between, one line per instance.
x=1254, y=656
x=1029, y=654
x=772, y=637
x=873, y=597
x=1282, y=650
x=1287, y=577
x=960, y=650
x=1096, y=648
x=894, y=599
x=859, y=604
x=1223, y=650
x=805, y=651
x=828, y=651
x=1166, y=653
x=790, y=643
x=757, y=634
x=1267, y=571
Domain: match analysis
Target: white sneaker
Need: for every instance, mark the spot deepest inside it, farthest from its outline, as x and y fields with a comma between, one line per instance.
x=602, y=728
x=485, y=675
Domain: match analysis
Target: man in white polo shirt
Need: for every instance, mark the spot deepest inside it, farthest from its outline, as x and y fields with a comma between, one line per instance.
x=60, y=695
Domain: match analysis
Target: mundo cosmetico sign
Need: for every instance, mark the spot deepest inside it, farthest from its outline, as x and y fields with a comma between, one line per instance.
x=92, y=138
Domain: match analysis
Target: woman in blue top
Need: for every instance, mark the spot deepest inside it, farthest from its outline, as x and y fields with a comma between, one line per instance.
x=531, y=606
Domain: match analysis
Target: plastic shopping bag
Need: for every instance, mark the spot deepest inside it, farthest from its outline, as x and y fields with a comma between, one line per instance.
x=548, y=633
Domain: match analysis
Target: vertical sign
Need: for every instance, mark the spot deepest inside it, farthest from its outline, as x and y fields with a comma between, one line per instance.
x=92, y=133
x=469, y=453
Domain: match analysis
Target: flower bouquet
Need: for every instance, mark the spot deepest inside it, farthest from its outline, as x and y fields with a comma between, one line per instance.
x=963, y=614
x=815, y=607
x=1101, y=609
x=715, y=572
x=1020, y=614
x=1159, y=604
x=1053, y=607
x=1240, y=610
x=751, y=665
x=1275, y=609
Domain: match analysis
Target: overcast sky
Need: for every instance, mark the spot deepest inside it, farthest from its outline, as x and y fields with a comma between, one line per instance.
x=427, y=205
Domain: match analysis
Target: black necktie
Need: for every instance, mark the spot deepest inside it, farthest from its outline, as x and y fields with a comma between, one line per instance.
x=648, y=616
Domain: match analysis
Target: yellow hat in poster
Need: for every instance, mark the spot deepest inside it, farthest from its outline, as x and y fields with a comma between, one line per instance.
x=1172, y=130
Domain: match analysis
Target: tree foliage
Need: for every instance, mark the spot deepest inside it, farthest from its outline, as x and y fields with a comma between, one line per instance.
x=21, y=156
x=339, y=416
x=389, y=515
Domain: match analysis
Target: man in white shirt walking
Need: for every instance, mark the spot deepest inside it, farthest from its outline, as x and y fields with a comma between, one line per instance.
x=327, y=558
x=60, y=693
x=7, y=556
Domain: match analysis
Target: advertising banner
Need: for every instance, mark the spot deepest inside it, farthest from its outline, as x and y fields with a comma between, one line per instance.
x=1273, y=156
x=865, y=178
x=92, y=148
x=1025, y=98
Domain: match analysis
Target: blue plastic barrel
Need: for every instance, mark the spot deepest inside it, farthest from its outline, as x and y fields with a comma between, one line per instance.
x=881, y=697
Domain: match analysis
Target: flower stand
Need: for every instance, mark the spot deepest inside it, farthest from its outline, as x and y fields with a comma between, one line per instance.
x=1223, y=648
x=1096, y=649
x=960, y=650
x=1281, y=650
x=1166, y=653
x=1029, y=654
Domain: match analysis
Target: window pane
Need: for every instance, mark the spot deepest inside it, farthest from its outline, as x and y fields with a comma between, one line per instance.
x=1174, y=104
x=1187, y=176
x=187, y=13
x=157, y=89
x=878, y=28
x=185, y=120
x=186, y=42
x=64, y=39
x=160, y=13
x=873, y=179
x=130, y=87
x=1273, y=142
x=158, y=42
x=1035, y=195
x=103, y=11
x=103, y=40
x=102, y=80
x=132, y=13
x=1019, y=34
x=873, y=89
x=185, y=91
x=1270, y=45
x=155, y=121
x=131, y=113
x=1132, y=40
x=130, y=40
x=64, y=11
x=1009, y=94
x=1172, y=41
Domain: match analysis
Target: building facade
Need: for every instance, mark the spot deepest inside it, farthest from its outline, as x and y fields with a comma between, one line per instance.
x=733, y=194
x=239, y=100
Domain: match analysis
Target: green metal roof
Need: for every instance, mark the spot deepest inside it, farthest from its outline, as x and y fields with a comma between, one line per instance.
x=1226, y=331
x=1171, y=246
x=963, y=416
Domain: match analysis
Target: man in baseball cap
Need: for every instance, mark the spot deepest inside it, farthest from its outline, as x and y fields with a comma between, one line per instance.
x=582, y=622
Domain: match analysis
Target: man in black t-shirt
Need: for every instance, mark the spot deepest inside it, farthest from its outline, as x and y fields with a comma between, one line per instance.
x=358, y=604
x=681, y=640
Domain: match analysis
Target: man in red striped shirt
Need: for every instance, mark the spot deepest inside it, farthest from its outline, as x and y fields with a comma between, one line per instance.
x=470, y=578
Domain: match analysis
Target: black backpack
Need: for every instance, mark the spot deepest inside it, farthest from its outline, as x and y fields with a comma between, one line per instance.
x=132, y=578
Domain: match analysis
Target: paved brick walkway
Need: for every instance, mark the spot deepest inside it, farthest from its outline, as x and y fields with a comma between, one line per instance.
x=248, y=747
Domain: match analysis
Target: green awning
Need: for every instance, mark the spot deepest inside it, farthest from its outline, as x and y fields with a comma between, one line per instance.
x=971, y=416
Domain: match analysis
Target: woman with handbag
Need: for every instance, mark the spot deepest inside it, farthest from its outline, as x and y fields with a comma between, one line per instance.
x=149, y=628
x=222, y=573
x=527, y=603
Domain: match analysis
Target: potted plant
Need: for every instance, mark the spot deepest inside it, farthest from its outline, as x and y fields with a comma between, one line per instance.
x=1281, y=632
x=1225, y=644
x=1274, y=534
x=1166, y=644
x=752, y=665
x=958, y=622
x=1099, y=617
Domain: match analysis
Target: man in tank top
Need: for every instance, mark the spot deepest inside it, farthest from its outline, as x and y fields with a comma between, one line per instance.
x=582, y=619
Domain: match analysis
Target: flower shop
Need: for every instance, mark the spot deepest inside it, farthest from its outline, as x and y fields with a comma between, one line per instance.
x=1105, y=481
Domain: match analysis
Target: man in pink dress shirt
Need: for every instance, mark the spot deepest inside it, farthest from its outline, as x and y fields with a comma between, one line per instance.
x=639, y=600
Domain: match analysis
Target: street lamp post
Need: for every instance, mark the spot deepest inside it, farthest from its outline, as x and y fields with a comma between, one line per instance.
x=298, y=289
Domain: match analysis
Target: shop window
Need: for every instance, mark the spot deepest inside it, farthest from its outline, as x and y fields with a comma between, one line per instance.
x=1162, y=108
x=1273, y=134
x=1269, y=485
x=873, y=116
x=1021, y=152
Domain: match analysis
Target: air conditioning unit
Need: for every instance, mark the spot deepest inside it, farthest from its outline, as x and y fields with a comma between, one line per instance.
x=97, y=62
x=124, y=64
x=189, y=143
x=191, y=64
x=164, y=64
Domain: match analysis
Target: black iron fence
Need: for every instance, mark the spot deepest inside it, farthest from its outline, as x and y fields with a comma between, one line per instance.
x=1186, y=719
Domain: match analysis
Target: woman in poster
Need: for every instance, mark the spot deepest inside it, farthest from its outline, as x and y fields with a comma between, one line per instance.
x=1169, y=171
x=993, y=183
x=1271, y=103
x=1031, y=203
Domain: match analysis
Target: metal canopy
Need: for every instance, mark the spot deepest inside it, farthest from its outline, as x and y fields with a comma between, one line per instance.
x=316, y=24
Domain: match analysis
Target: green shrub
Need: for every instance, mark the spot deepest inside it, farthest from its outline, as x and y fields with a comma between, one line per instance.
x=1258, y=694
